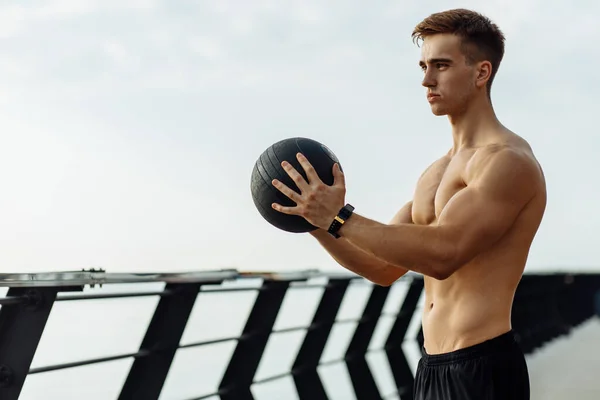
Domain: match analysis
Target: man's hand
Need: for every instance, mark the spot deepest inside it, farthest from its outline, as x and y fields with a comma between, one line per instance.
x=317, y=202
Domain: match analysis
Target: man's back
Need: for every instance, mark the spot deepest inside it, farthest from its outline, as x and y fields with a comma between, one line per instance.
x=474, y=303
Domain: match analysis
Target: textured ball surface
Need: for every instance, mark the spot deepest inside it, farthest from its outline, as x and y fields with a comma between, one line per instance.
x=268, y=167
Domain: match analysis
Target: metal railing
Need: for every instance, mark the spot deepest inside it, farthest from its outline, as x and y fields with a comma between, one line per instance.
x=546, y=306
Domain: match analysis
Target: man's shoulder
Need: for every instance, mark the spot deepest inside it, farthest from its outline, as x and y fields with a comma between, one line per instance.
x=506, y=163
x=502, y=155
x=513, y=152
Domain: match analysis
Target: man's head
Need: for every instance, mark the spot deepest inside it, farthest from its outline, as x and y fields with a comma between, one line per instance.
x=461, y=53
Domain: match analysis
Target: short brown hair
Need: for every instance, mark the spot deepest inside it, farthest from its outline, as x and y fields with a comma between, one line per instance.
x=481, y=38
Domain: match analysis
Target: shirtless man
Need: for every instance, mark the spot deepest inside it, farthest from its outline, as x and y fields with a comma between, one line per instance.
x=467, y=230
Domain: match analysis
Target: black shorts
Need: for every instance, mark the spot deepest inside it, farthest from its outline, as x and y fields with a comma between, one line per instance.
x=491, y=370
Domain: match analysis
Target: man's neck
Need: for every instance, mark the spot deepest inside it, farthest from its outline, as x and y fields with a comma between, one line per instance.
x=474, y=126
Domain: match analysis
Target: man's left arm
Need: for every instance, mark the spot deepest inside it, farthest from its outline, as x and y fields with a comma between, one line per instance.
x=472, y=221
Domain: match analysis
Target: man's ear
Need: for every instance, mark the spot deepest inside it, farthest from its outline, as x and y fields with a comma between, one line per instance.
x=484, y=73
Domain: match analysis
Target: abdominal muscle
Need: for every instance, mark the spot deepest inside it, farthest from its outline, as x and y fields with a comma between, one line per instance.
x=468, y=308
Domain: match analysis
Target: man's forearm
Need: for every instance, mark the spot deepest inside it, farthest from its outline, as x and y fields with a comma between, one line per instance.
x=420, y=248
x=358, y=261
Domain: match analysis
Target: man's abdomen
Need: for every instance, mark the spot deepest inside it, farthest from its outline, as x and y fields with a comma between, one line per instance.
x=450, y=325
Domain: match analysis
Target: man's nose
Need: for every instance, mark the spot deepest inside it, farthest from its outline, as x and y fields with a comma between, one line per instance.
x=429, y=80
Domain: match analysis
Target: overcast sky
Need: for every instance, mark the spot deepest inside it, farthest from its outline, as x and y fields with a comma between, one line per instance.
x=130, y=128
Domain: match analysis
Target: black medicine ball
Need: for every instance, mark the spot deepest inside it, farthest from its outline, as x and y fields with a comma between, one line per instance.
x=268, y=167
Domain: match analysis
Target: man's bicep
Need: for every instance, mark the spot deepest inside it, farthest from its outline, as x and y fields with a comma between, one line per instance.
x=483, y=212
x=476, y=220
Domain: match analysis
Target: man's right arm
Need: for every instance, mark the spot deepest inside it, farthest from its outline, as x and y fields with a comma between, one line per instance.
x=360, y=262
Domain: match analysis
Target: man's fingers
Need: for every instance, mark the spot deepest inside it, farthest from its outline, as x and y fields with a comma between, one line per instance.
x=311, y=174
x=286, y=190
x=285, y=210
x=338, y=176
x=295, y=175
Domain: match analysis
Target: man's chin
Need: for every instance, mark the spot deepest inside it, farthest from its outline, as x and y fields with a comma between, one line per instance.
x=438, y=111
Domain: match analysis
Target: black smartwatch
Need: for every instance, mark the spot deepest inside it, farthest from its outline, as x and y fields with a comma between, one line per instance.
x=339, y=220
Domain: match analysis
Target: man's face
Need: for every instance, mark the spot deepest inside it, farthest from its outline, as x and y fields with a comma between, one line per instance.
x=450, y=82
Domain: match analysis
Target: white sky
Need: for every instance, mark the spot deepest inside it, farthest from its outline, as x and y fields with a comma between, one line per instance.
x=129, y=129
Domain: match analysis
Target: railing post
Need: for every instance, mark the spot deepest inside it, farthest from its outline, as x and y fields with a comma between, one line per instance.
x=555, y=325
x=571, y=305
x=520, y=313
x=365, y=387
x=586, y=291
x=398, y=364
x=537, y=304
x=21, y=327
x=304, y=371
x=148, y=374
x=239, y=375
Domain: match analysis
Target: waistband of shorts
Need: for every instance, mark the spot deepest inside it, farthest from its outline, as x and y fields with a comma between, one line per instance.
x=501, y=343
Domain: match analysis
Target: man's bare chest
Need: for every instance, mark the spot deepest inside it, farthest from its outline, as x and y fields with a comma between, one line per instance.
x=436, y=187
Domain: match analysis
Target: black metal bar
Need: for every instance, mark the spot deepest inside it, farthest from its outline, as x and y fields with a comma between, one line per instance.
x=306, y=378
x=243, y=364
x=272, y=378
x=421, y=339
x=147, y=375
x=361, y=377
x=143, y=353
x=367, y=323
x=303, y=285
x=21, y=327
x=213, y=341
x=349, y=320
x=233, y=289
x=398, y=364
x=293, y=329
x=318, y=325
x=160, y=293
x=9, y=301
x=93, y=277
x=206, y=396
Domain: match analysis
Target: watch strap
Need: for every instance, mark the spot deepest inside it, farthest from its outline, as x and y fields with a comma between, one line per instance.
x=339, y=220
